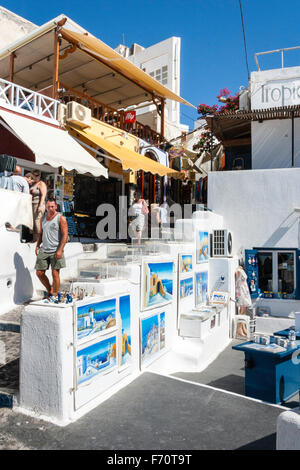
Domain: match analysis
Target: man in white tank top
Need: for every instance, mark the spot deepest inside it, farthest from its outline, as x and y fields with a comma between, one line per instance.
x=52, y=238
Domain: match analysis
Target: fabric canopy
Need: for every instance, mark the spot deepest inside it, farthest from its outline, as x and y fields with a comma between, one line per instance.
x=115, y=61
x=129, y=159
x=52, y=145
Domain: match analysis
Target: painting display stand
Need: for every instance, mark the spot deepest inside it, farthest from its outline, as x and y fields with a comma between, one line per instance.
x=74, y=356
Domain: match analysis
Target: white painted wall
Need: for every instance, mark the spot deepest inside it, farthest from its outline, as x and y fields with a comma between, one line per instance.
x=13, y=27
x=18, y=281
x=275, y=87
x=258, y=207
x=272, y=143
x=272, y=139
x=151, y=59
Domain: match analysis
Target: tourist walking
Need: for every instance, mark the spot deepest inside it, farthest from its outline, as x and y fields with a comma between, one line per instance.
x=138, y=210
x=50, y=247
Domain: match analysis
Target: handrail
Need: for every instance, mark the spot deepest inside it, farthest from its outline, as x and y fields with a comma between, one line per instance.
x=27, y=101
x=111, y=116
x=273, y=52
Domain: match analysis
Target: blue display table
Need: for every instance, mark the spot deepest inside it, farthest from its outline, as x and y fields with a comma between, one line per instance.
x=270, y=376
x=286, y=333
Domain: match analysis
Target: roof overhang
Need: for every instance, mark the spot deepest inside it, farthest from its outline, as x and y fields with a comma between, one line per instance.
x=129, y=159
x=51, y=145
x=91, y=66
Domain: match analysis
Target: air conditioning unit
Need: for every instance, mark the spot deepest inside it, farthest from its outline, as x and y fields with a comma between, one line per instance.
x=221, y=243
x=78, y=114
x=62, y=114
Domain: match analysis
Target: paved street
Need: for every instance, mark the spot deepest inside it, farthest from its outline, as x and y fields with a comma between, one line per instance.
x=154, y=412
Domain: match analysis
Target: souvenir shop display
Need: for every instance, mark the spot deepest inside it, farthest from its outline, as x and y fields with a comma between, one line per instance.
x=152, y=333
x=185, y=263
x=96, y=270
x=251, y=269
x=202, y=247
x=270, y=367
x=201, y=287
x=157, y=283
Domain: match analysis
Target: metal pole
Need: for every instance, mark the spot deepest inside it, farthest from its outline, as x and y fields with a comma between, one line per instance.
x=293, y=139
x=211, y=143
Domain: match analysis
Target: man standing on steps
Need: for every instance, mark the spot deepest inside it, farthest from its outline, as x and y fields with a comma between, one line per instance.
x=52, y=238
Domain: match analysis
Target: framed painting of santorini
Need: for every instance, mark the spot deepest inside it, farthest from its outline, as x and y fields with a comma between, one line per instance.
x=202, y=247
x=152, y=337
x=125, y=337
x=186, y=288
x=185, y=263
x=96, y=359
x=201, y=287
x=95, y=318
x=157, y=284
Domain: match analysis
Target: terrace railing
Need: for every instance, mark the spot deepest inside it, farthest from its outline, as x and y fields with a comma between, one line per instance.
x=109, y=115
x=27, y=101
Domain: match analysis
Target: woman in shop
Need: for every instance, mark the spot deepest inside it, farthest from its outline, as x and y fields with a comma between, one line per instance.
x=39, y=192
x=242, y=296
x=138, y=210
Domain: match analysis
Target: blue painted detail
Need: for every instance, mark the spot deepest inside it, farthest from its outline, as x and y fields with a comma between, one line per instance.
x=13, y=327
x=6, y=400
x=271, y=377
x=297, y=292
x=251, y=269
x=286, y=333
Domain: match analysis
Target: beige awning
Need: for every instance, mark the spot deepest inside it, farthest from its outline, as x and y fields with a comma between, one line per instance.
x=52, y=145
x=129, y=159
x=114, y=60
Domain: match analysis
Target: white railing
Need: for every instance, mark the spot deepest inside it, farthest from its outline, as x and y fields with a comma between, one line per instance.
x=27, y=101
x=281, y=51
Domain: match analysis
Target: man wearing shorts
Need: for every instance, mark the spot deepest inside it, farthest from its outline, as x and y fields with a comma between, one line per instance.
x=52, y=238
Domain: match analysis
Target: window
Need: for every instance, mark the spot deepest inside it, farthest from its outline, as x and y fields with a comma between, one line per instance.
x=265, y=271
x=161, y=75
x=286, y=272
x=277, y=273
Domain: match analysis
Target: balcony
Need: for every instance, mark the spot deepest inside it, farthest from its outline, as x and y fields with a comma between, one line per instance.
x=43, y=107
x=28, y=102
x=109, y=115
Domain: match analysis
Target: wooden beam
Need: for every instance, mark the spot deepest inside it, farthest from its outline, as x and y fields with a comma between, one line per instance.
x=237, y=142
x=55, y=64
x=11, y=67
x=162, y=118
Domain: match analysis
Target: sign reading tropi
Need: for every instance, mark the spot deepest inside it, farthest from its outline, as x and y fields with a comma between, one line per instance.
x=273, y=92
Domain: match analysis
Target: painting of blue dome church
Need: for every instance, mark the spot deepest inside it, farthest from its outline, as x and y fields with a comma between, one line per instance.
x=95, y=317
x=94, y=360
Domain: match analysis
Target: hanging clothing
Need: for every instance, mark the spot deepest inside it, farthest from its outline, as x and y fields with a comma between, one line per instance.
x=7, y=163
x=242, y=294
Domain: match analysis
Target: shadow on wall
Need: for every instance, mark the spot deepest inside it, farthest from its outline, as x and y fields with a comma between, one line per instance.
x=283, y=228
x=23, y=286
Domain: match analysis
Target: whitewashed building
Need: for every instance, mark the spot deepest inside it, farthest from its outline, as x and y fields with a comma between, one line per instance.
x=162, y=62
x=13, y=27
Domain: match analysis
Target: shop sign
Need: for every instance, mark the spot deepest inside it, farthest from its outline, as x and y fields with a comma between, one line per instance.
x=130, y=116
x=275, y=93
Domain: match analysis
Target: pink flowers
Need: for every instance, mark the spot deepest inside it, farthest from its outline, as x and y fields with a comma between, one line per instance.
x=231, y=103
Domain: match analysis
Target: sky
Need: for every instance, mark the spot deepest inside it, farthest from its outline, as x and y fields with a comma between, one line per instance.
x=212, y=47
